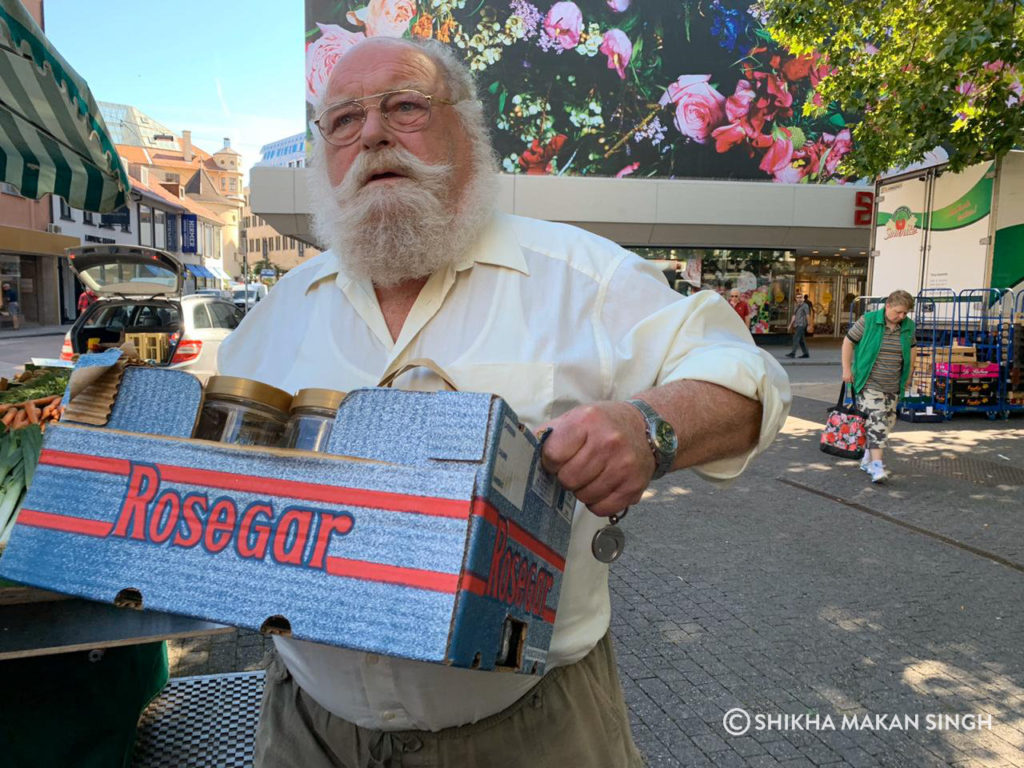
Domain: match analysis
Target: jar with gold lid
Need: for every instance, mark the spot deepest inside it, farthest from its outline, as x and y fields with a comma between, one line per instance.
x=312, y=419
x=242, y=412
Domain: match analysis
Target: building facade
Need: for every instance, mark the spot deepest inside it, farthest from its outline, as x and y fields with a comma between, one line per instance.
x=214, y=181
x=271, y=253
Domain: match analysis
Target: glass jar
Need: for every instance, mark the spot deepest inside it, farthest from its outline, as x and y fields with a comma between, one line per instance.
x=312, y=419
x=242, y=412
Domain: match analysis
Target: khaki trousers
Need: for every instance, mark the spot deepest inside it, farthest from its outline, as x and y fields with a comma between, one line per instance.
x=574, y=718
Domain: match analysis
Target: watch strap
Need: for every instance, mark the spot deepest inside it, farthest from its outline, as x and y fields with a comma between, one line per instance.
x=663, y=459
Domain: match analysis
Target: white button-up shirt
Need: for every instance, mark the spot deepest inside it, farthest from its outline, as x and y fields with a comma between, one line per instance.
x=548, y=317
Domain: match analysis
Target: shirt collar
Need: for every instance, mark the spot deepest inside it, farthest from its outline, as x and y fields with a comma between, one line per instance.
x=497, y=246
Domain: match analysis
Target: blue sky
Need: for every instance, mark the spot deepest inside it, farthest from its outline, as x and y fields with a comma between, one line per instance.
x=219, y=68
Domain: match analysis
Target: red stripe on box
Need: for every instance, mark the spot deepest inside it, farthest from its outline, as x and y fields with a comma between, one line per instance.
x=393, y=574
x=292, y=489
x=484, y=509
x=65, y=523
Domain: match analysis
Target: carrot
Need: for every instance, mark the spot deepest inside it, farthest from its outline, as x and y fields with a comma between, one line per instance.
x=31, y=412
x=20, y=419
x=9, y=417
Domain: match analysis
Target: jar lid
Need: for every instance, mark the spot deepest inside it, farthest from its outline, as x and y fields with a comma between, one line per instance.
x=318, y=398
x=248, y=389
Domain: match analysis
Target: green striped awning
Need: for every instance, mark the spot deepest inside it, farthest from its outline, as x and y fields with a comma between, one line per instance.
x=52, y=136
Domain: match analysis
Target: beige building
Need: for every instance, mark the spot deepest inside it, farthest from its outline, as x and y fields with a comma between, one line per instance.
x=186, y=171
x=263, y=243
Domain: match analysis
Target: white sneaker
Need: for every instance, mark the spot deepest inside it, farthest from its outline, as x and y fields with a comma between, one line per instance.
x=879, y=474
x=865, y=462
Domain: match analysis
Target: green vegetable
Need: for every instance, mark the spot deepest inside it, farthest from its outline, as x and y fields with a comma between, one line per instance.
x=46, y=382
x=19, y=454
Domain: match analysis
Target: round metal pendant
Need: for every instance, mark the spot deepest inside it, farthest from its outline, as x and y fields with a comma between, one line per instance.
x=608, y=544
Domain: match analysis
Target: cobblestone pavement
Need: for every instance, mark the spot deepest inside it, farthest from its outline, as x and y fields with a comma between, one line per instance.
x=802, y=590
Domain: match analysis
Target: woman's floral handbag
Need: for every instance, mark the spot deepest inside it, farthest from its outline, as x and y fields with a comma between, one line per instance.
x=844, y=434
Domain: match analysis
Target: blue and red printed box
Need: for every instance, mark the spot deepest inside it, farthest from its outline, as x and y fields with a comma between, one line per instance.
x=430, y=532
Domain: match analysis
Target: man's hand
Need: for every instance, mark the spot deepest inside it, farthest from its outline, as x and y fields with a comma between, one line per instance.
x=600, y=453
x=848, y=375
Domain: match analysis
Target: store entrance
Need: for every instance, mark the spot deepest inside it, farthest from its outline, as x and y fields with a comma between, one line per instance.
x=832, y=285
x=831, y=297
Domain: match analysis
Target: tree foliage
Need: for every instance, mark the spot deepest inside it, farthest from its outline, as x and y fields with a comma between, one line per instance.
x=920, y=74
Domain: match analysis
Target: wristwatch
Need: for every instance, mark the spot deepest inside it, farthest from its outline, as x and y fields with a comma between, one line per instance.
x=661, y=437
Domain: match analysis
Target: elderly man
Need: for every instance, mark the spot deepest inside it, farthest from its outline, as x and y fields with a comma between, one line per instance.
x=574, y=332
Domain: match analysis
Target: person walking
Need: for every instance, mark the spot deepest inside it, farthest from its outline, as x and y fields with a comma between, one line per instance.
x=798, y=324
x=11, y=304
x=740, y=305
x=86, y=299
x=876, y=360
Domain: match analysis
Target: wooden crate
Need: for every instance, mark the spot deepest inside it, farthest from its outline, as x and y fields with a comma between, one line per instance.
x=150, y=346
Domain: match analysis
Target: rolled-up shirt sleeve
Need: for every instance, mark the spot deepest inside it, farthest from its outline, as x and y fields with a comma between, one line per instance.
x=655, y=336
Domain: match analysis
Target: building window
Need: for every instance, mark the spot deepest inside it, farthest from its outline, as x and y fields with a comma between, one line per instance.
x=234, y=185
x=87, y=217
x=223, y=184
x=160, y=228
x=278, y=243
x=145, y=225
x=65, y=210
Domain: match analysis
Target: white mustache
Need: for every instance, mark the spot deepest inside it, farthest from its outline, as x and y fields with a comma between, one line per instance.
x=396, y=160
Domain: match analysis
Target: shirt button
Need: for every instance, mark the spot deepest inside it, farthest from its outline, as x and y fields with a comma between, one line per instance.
x=387, y=715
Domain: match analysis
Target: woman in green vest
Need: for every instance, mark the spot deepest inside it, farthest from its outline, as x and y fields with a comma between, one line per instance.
x=876, y=360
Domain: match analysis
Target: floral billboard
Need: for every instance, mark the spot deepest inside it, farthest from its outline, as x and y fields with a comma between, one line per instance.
x=642, y=88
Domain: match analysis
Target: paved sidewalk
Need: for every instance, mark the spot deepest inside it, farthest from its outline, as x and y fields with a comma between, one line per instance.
x=27, y=331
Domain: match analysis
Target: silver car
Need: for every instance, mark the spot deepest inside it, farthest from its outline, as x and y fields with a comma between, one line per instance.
x=140, y=300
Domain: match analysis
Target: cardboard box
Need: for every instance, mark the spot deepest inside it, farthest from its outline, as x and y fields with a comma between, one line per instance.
x=431, y=532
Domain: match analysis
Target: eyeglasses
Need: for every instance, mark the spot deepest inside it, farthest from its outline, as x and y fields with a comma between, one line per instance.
x=406, y=111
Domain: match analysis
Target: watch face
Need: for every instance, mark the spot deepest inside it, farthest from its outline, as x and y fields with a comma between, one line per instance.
x=665, y=436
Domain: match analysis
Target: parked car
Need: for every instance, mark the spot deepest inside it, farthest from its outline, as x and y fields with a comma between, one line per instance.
x=140, y=300
x=246, y=296
x=226, y=295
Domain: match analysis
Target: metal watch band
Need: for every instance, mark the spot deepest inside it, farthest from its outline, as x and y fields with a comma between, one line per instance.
x=663, y=458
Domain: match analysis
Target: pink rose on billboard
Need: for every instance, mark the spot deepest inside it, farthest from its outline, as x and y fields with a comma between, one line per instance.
x=616, y=46
x=738, y=105
x=779, y=154
x=791, y=174
x=699, y=107
x=840, y=145
x=618, y=5
x=385, y=18
x=322, y=54
x=564, y=23
x=627, y=170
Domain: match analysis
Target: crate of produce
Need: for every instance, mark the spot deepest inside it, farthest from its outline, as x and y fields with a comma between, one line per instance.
x=967, y=370
x=978, y=387
x=428, y=530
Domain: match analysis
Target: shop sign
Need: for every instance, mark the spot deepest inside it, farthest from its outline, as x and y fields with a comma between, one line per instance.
x=172, y=232
x=189, y=233
x=863, y=209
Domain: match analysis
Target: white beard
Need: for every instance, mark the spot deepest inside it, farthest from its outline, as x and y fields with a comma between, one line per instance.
x=397, y=232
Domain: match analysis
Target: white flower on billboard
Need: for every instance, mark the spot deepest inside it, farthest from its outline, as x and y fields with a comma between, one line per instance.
x=385, y=18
